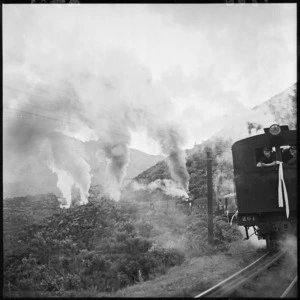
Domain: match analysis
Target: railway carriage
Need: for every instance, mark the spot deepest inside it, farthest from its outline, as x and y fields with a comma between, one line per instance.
x=227, y=207
x=266, y=196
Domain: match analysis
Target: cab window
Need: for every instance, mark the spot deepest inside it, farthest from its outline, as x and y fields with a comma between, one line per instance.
x=285, y=153
x=259, y=153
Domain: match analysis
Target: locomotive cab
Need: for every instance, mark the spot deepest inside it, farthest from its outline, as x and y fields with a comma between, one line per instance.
x=266, y=196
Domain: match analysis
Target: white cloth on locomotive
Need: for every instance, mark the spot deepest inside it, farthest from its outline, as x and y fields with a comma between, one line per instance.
x=281, y=184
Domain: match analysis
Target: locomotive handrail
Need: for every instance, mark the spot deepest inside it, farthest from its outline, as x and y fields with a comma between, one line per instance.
x=235, y=215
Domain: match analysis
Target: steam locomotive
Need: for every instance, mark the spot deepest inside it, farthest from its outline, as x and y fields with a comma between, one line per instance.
x=266, y=196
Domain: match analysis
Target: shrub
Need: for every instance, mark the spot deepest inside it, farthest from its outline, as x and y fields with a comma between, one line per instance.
x=160, y=259
x=144, y=229
x=196, y=235
x=224, y=233
x=86, y=247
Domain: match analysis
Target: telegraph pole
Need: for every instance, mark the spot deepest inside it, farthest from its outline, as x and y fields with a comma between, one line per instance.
x=209, y=199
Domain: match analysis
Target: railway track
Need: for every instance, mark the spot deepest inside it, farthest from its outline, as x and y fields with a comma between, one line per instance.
x=291, y=290
x=231, y=285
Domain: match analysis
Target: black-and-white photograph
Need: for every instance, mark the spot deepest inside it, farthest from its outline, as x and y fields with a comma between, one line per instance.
x=149, y=150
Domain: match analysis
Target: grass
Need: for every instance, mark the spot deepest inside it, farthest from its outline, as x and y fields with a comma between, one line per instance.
x=193, y=276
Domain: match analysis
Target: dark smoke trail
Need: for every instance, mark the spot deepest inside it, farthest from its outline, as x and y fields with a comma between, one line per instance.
x=171, y=139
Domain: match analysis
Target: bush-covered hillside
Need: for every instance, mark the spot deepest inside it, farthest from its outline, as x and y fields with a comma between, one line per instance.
x=159, y=171
x=19, y=212
x=94, y=246
x=104, y=246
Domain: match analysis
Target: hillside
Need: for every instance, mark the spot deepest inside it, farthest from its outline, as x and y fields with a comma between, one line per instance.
x=105, y=246
x=31, y=178
x=20, y=212
x=140, y=161
x=282, y=106
x=281, y=109
x=159, y=170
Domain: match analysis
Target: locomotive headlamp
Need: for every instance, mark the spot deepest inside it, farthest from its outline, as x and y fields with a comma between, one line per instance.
x=275, y=129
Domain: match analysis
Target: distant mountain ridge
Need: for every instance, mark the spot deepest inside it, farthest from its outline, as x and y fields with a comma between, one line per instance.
x=282, y=106
x=140, y=161
x=39, y=179
x=277, y=99
x=281, y=109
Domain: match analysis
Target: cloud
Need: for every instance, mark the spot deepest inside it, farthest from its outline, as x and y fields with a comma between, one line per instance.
x=253, y=60
x=202, y=100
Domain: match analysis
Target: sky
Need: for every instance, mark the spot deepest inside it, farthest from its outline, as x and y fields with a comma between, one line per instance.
x=210, y=60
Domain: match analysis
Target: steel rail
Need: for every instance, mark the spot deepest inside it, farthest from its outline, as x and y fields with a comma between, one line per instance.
x=230, y=284
x=290, y=287
x=215, y=287
x=248, y=276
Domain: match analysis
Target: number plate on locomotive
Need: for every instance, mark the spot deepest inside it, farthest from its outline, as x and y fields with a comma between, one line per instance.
x=248, y=218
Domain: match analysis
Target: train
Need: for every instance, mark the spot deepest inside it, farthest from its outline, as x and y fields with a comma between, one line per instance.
x=227, y=207
x=266, y=194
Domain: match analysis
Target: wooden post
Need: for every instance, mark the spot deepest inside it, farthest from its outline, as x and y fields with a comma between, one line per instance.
x=209, y=199
x=9, y=292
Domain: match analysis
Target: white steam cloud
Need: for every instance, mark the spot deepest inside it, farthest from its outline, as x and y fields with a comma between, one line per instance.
x=103, y=96
x=167, y=186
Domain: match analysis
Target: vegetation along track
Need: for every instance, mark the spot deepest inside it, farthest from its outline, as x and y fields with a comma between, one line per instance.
x=243, y=283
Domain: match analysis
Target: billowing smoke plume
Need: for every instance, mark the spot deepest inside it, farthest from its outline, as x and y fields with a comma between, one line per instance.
x=71, y=168
x=171, y=140
x=167, y=186
x=38, y=125
x=117, y=157
x=223, y=176
x=288, y=243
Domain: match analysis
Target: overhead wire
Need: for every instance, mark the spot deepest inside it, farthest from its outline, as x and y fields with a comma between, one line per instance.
x=42, y=97
x=28, y=93
x=52, y=87
x=36, y=115
x=54, y=119
x=17, y=90
x=47, y=117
